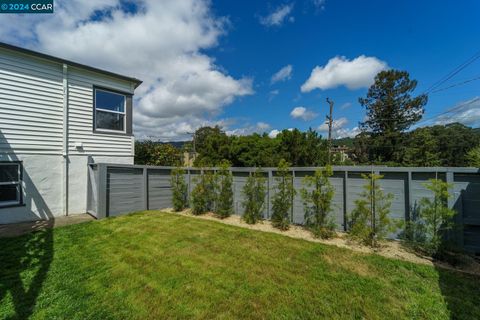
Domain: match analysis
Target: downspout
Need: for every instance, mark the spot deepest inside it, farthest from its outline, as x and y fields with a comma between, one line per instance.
x=65, y=140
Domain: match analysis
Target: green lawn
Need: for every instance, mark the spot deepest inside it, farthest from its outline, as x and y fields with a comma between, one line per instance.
x=155, y=265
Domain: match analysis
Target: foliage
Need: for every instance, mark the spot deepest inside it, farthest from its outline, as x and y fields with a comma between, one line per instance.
x=204, y=193
x=473, y=157
x=421, y=149
x=449, y=144
x=440, y=145
x=179, y=189
x=254, y=192
x=391, y=110
x=224, y=206
x=318, y=203
x=369, y=220
x=433, y=219
x=156, y=154
x=259, y=150
x=302, y=149
x=282, y=200
x=212, y=146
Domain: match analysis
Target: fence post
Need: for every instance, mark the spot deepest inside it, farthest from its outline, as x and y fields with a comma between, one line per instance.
x=409, y=212
x=270, y=179
x=345, y=200
x=293, y=196
x=102, y=196
x=189, y=188
x=145, y=188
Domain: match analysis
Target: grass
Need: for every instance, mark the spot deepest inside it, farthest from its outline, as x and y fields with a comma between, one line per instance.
x=154, y=265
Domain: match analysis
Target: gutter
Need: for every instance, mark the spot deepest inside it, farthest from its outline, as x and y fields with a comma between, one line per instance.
x=65, y=141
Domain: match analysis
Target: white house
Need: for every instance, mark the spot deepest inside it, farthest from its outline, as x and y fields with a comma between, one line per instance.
x=56, y=116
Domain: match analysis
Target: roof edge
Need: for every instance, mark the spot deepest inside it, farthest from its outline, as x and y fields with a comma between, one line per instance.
x=8, y=46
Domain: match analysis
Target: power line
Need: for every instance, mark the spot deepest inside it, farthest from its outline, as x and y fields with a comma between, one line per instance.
x=456, y=84
x=451, y=110
x=453, y=72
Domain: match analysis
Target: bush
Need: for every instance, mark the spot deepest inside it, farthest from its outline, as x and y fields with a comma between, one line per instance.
x=369, y=221
x=283, y=197
x=204, y=193
x=224, y=178
x=317, y=203
x=427, y=229
x=254, y=192
x=179, y=189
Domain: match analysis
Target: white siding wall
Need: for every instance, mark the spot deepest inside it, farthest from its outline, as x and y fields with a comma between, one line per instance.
x=31, y=105
x=80, y=98
x=31, y=130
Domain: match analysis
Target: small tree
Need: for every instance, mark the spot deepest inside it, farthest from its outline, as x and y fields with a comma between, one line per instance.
x=283, y=198
x=369, y=221
x=254, y=192
x=317, y=203
x=179, y=189
x=204, y=193
x=224, y=206
x=473, y=157
x=427, y=230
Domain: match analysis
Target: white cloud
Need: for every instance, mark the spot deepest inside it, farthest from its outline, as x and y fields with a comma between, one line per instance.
x=465, y=112
x=272, y=94
x=302, y=113
x=259, y=127
x=278, y=16
x=283, y=74
x=274, y=133
x=319, y=4
x=162, y=43
x=339, y=129
x=354, y=74
x=346, y=105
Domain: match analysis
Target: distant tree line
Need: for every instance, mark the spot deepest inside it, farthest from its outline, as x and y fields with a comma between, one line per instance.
x=386, y=138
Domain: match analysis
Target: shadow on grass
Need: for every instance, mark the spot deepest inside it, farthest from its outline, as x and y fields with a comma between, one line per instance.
x=461, y=293
x=24, y=264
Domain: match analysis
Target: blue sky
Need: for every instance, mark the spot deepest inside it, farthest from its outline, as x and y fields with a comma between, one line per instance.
x=212, y=62
x=423, y=37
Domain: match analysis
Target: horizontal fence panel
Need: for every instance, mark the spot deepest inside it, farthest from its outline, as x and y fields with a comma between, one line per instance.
x=125, y=190
x=159, y=189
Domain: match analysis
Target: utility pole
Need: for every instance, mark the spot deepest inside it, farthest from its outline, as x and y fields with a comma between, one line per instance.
x=330, y=124
x=194, y=148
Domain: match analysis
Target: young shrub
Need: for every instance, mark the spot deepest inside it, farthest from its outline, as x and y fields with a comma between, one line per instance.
x=369, y=221
x=317, y=203
x=224, y=206
x=427, y=230
x=179, y=189
x=283, y=198
x=204, y=193
x=254, y=192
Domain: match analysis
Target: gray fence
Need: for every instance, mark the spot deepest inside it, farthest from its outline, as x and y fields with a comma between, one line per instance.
x=118, y=189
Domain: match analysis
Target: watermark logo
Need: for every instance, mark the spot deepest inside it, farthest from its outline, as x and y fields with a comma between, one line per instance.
x=26, y=6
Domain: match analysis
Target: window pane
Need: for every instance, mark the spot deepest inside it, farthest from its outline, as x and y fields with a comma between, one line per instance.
x=108, y=120
x=109, y=101
x=9, y=173
x=8, y=193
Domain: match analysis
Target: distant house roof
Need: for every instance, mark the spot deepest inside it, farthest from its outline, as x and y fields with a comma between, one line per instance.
x=136, y=81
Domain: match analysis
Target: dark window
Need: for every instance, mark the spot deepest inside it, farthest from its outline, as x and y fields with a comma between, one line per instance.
x=109, y=111
x=10, y=184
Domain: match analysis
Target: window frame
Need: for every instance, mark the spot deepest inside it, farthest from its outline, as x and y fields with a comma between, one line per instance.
x=124, y=113
x=18, y=183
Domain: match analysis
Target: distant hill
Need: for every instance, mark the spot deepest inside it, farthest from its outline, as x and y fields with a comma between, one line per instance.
x=343, y=142
x=176, y=144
